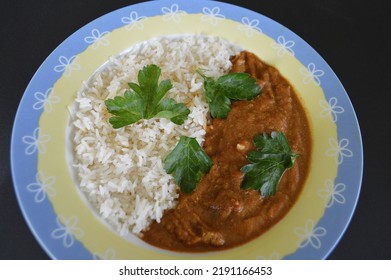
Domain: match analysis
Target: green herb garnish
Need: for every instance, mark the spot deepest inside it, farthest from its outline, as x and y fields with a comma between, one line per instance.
x=236, y=86
x=187, y=163
x=272, y=157
x=145, y=101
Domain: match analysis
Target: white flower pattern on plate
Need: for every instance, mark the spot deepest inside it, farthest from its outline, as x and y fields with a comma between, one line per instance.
x=213, y=15
x=109, y=254
x=67, y=230
x=97, y=38
x=249, y=26
x=332, y=193
x=283, y=46
x=173, y=13
x=67, y=65
x=273, y=256
x=45, y=100
x=311, y=74
x=35, y=142
x=134, y=21
x=331, y=109
x=339, y=150
x=310, y=235
x=42, y=186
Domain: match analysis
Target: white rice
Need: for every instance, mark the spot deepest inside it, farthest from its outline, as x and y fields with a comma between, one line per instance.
x=121, y=170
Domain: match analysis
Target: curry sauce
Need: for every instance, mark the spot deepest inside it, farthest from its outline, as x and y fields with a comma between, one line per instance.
x=219, y=214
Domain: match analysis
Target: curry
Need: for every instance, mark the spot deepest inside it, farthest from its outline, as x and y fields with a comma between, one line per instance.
x=219, y=214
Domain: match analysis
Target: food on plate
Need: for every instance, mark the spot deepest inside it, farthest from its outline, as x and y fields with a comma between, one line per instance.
x=191, y=143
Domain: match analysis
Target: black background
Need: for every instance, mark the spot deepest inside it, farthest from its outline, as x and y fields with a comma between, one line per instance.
x=352, y=36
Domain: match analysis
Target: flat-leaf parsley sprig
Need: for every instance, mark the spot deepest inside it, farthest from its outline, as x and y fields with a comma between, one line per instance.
x=145, y=101
x=188, y=162
x=268, y=162
x=220, y=91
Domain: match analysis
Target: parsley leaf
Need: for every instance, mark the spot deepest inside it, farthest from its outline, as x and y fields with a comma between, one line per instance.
x=268, y=162
x=187, y=163
x=145, y=101
x=236, y=86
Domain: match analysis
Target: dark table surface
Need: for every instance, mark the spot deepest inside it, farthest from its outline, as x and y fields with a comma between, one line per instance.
x=352, y=36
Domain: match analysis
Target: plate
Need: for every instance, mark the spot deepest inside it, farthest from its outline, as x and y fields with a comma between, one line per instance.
x=59, y=216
